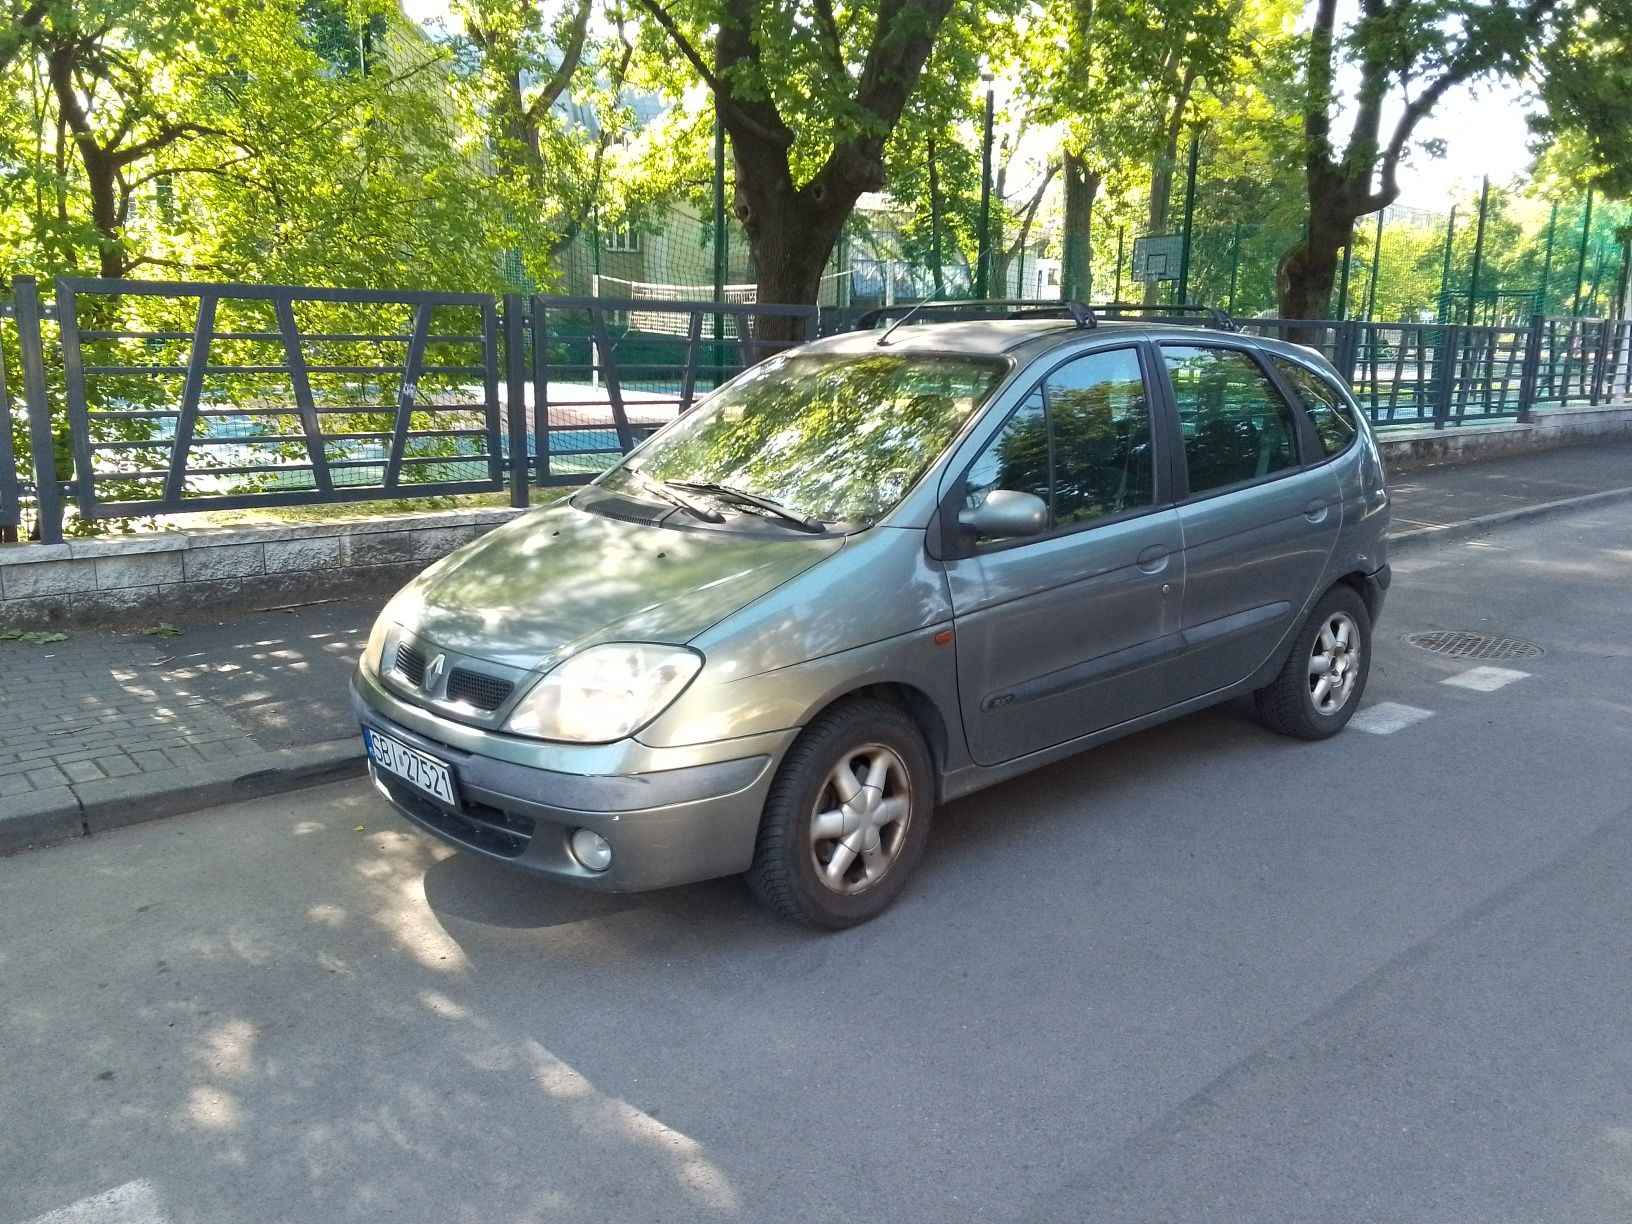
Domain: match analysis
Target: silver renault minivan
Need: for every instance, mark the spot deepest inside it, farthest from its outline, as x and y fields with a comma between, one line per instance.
x=875, y=573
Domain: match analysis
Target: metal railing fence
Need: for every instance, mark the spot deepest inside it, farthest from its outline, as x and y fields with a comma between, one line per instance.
x=600, y=374
x=269, y=395
x=141, y=398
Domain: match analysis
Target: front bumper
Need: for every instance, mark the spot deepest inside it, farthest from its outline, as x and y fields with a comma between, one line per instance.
x=665, y=826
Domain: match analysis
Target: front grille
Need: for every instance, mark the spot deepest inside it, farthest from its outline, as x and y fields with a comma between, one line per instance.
x=410, y=665
x=505, y=834
x=475, y=689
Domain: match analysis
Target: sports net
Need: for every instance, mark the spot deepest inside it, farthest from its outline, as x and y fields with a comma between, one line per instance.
x=669, y=322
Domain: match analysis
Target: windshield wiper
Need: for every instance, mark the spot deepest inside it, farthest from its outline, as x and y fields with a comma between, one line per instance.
x=743, y=498
x=661, y=488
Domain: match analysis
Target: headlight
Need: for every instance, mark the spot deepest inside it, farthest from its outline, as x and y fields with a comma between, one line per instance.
x=376, y=644
x=605, y=693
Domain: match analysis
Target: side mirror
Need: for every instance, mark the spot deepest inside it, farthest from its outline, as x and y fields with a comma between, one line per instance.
x=1006, y=514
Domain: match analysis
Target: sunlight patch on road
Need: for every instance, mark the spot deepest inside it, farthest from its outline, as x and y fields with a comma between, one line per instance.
x=1387, y=717
x=395, y=873
x=326, y=914
x=609, y=1118
x=1485, y=679
x=132, y=1203
x=408, y=918
x=229, y=1050
x=213, y=1110
x=438, y=1004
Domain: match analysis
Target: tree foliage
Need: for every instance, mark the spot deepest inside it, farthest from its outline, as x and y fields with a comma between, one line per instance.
x=1586, y=84
x=289, y=141
x=1408, y=55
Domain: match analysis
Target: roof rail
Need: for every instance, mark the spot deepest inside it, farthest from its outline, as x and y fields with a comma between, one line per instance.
x=1003, y=308
x=1208, y=316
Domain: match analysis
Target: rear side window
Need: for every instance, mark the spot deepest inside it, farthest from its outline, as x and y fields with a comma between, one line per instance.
x=1236, y=426
x=1334, y=421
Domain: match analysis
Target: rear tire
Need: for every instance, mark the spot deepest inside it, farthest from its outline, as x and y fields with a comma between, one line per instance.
x=847, y=817
x=1319, y=688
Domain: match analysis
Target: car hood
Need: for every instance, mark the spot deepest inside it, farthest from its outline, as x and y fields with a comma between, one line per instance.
x=560, y=579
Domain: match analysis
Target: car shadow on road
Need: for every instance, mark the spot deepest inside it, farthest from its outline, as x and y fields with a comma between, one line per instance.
x=464, y=888
x=470, y=888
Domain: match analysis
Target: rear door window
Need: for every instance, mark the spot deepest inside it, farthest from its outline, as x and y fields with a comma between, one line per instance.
x=1237, y=428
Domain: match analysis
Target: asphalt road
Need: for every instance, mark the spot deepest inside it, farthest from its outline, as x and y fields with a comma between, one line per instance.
x=1202, y=974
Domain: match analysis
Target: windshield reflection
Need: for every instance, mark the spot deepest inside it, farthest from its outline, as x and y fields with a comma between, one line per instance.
x=837, y=438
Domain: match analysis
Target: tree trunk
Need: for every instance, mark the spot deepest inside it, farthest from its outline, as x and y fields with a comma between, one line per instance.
x=101, y=170
x=1081, y=189
x=1161, y=172
x=1307, y=274
x=791, y=234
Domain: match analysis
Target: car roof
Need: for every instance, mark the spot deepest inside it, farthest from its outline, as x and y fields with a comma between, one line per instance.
x=1024, y=339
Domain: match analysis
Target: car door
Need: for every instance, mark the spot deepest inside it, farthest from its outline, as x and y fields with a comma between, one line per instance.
x=1064, y=633
x=1258, y=525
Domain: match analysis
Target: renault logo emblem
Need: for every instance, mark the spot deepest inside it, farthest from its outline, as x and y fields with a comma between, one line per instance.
x=433, y=673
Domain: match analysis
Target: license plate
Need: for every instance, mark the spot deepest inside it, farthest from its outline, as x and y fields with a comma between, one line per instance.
x=411, y=765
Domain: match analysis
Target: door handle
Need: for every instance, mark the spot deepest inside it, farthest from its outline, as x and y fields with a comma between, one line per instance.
x=1153, y=560
x=1315, y=511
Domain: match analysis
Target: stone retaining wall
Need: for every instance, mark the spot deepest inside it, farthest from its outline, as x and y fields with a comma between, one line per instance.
x=1410, y=449
x=126, y=578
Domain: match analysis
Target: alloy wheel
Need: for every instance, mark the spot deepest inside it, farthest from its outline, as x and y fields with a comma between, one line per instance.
x=1334, y=663
x=859, y=824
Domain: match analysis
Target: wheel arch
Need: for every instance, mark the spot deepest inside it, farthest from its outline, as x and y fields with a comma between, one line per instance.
x=1363, y=585
x=912, y=701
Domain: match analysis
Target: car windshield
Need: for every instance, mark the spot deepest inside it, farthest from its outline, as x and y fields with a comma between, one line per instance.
x=835, y=438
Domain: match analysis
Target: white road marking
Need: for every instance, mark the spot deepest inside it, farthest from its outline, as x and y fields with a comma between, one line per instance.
x=1485, y=679
x=132, y=1203
x=1387, y=717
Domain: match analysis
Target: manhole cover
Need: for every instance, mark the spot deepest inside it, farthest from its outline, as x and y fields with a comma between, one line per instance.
x=1462, y=644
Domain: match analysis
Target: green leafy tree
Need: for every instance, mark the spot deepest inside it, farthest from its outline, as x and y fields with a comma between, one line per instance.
x=1586, y=85
x=526, y=61
x=809, y=93
x=1410, y=53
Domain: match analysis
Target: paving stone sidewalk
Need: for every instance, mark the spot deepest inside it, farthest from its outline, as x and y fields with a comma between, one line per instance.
x=110, y=727
x=97, y=706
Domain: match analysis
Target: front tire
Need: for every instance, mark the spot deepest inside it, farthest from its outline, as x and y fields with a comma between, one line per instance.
x=847, y=817
x=1321, y=684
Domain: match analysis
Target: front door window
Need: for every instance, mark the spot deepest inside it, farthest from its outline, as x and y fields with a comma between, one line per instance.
x=1081, y=441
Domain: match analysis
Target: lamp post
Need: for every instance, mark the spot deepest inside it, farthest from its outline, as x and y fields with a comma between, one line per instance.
x=1445, y=271
x=1581, y=260
x=1235, y=264
x=1376, y=262
x=983, y=249
x=1183, y=295
x=1547, y=260
x=1478, y=251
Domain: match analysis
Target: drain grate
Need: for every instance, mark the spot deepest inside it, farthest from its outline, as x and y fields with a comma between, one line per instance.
x=1463, y=644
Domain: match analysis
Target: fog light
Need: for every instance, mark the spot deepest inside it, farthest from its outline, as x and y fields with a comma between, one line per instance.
x=590, y=849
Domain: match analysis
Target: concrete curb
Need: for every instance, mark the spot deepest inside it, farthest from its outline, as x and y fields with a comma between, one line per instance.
x=85, y=808
x=1489, y=522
